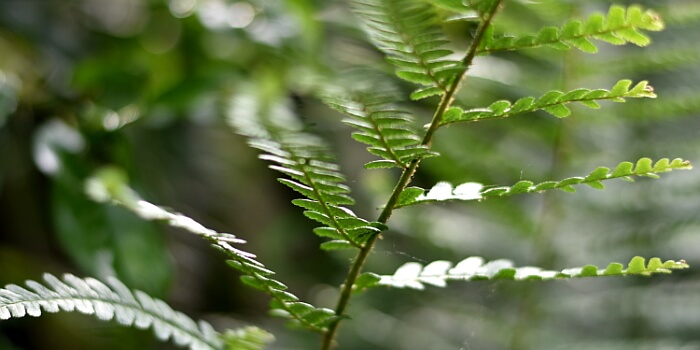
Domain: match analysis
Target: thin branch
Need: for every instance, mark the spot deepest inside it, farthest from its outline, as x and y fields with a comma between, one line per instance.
x=406, y=176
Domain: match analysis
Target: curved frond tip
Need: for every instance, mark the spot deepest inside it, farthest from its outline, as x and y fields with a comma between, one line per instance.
x=438, y=273
x=107, y=302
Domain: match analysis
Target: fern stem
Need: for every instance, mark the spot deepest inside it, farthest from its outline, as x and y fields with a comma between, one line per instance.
x=405, y=178
x=449, y=96
x=346, y=293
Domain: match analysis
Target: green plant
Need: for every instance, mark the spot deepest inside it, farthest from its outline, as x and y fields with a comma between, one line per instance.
x=408, y=33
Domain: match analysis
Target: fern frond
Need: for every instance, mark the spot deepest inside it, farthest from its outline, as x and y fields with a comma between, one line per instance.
x=470, y=8
x=444, y=191
x=438, y=273
x=620, y=26
x=553, y=102
x=326, y=195
x=405, y=30
x=247, y=338
x=382, y=125
x=305, y=159
x=451, y=5
x=110, y=185
x=482, y=7
x=114, y=302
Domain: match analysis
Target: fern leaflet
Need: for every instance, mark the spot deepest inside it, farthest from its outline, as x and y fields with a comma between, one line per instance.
x=405, y=30
x=381, y=124
x=451, y=5
x=114, y=302
x=110, y=185
x=438, y=273
x=619, y=27
x=305, y=159
x=444, y=191
x=465, y=10
x=553, y=102
x=246, y=338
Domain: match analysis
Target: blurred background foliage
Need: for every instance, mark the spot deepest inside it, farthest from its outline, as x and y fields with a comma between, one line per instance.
x=146, y=84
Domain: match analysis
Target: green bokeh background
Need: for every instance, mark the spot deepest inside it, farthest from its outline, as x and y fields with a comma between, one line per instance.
x=146, y=86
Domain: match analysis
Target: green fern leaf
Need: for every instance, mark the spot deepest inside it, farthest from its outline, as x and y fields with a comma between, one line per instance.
x=451, y=5
x=461, y=10
x=444, y=191
x=306, y=160
x=437, y=273
x=365, y=281
x=246, y=338
x=336, y=245
x=114, y=302
x=620, y=26
x=405, y=30
x=110, y=184
x=553, y=102
x=380, y=123
x=482, y=7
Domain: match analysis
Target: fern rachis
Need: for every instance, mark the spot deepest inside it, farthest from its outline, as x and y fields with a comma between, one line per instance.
x=409, y=34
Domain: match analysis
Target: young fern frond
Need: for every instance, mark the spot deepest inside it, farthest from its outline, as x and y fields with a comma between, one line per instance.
x=382, y=125
x=110, y=185
x=107, y=302
x=619, y=27
x=406, y=31
x=444, y=191
x=553, y=102
x=437, y=273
